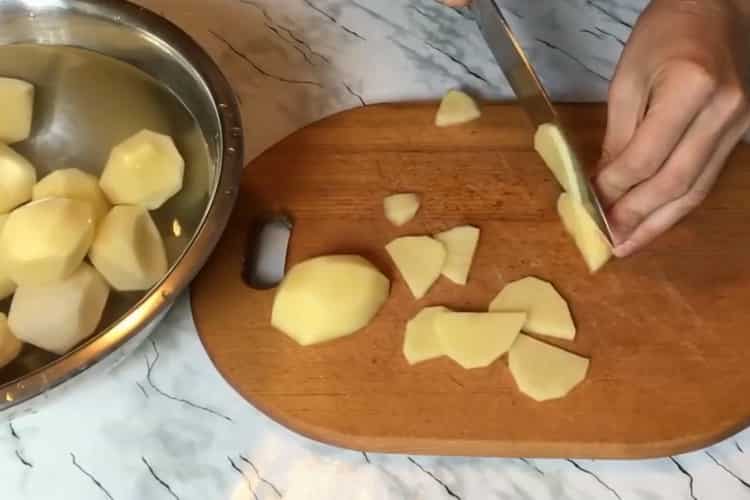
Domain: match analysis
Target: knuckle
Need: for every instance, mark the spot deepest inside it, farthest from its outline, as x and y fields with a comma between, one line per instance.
x=676, y=186
x=626, y=215
x=733, y=99
x=695, y=198
x=696, y=74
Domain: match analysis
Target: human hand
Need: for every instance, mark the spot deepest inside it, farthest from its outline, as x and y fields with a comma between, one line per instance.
x=678, y=105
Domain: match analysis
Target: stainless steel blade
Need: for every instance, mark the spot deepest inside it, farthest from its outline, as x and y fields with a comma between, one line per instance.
x=530, y=92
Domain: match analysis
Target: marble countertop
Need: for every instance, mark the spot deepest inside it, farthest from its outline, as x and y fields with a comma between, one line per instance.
x=165, y=425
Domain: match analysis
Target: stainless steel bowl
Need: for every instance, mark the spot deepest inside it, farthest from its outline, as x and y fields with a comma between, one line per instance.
x=104, y=69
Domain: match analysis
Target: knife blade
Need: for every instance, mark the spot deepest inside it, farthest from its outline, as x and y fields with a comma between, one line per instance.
x=530, y=92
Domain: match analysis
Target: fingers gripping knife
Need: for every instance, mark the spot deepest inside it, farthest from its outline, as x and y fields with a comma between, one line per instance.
x=530, y=92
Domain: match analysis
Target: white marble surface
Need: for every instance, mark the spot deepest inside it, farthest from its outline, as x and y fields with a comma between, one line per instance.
x=165, y=425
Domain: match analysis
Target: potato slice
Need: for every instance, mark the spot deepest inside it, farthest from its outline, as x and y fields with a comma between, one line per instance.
x=555, y=150
x=461, y=244
x=420, y=340
x=401, y=208
x=7, y=285
x=75, y=184
x=476, y=340
x=47, y=240
x=17, y=178
x=592, y=244
x=328, y=297
x=547, y=312
x=10, y=346
x=420, y=260
x=457, y=108
x=128, y=249
x=146, y=170
x=72, y=309
x=545, y=372
x=17, y=103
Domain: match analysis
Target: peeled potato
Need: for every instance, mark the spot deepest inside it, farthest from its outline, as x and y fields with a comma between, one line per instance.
x=461, y=244
x=547, y=312
x=328, y=297
x=17, y=178
x=420, y=341
x=47, y=240
x=545, y=372
x=128, y=249
x=554, y=149
x=419, y=259
x=17, y=103
x=57, y=316
x=401, y=208
x=592, y=244
x=7, y=286
x=457, y=108
x=75, y=184
x=10, y=346
x=476, y=340
x=146, y=170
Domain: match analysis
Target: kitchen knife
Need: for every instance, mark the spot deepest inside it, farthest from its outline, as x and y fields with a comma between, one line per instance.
x=530, y=92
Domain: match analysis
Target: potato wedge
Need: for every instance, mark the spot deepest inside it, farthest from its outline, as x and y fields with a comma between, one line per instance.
x=592, y=244
x=543, y=371
x=421, y=342
x=328, y=297
x=75, y=184
x=17, y=178
x=547, y=312
x=554, y=149
x=420, y=260
x=401, y=208
x=17, y=105
x=457, y=108
x=461, y=245
x=476, y=340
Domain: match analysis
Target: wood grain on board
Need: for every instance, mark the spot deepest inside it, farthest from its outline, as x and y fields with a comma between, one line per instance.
x=667, y=330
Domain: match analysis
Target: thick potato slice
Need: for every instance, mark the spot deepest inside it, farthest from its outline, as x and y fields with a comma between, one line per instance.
x=401, y=208
x=7, y=285
x=128, y=249
x=17, y=105
x=10, y=346
x=146, y=170
x=420, y=340
x=420, y=260
x=17, y=179
x=461, y=244
x=57, y=316
x=328, y=297
x=47, y=240
x=476, y=340
x=545, y=372
x=75, y=184
x=457, y=108
x=547, y=312
x=592, y=244
x=554, y=149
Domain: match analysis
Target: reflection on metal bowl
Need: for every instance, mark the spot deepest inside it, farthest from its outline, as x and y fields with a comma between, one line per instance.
x=104, y=70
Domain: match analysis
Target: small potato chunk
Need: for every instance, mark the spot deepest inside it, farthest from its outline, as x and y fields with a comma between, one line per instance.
x=17, y=105
x=401, y=208
x=461, y=244
x=128, y=249
x=47, y=240
x=420, y=260
x=328, y=297
x=592, y=244
x=457, y=108
x=10, y=346
x=75, y=184
x=58, y=316
x=547, y=312
x=554, y=149
x=7, y=286
x=476, y=340
x=146, y=170
x=545, y=372
x=17, y=178
x=420, y=341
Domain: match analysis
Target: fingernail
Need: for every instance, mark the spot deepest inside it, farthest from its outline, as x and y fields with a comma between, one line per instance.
x=624, y=249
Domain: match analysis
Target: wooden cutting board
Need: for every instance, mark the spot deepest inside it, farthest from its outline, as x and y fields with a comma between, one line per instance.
x=667, y=331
